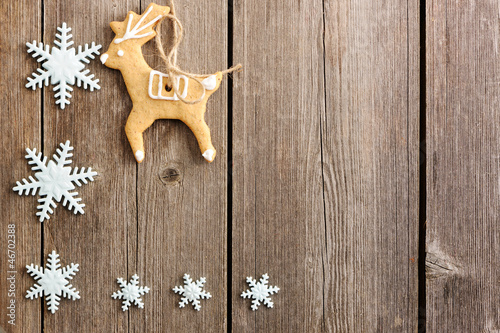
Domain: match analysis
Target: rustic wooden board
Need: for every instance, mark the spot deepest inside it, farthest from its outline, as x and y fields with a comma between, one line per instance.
x=326, y=191
x=370, y=151
x=182, y=223
x=320, y=146
x=463, y=248
x=20, y=127
x=326, y=197
x=93, y=122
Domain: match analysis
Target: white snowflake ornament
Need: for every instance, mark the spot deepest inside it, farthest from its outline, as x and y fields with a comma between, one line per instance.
x=53, y=282
x=54, y=181
x=192, y=292
x=130, y=292
x=260, y=292
x=64, y=66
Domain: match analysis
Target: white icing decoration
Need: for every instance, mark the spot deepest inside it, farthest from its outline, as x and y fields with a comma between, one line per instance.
x=133, y=34
x=208, y=155
x=104, y=57
x=210, y=82
x=120, y=53
x=139, y=155
x=161, y=86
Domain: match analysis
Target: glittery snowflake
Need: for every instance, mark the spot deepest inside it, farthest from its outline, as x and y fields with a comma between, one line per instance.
x=64, y=66
x=53, y=282
x=54, y=181
x=260, y=292
x=130, y=292
x=192, y=292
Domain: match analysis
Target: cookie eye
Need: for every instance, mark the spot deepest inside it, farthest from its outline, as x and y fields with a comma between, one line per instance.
x=120, y=53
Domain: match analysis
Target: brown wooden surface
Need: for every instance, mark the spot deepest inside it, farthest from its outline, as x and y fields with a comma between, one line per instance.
x=325, y=180
x=316, y=179
x=370, y=154
x=463, y=243
x=20, y=127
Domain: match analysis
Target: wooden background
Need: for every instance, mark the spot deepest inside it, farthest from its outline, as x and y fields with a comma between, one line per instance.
x=358, y=164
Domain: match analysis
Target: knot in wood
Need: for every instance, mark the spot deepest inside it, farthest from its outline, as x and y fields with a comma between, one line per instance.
x=170, y=175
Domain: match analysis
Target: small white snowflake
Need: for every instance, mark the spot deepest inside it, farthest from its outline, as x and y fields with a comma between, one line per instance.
x=55, y=181
x=130, y=292
x=260, y=292
x=53, y=282
x=63, y=66
x=192, y=292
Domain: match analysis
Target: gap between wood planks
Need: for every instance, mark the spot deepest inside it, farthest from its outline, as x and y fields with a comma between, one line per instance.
x=422, y=213
x=230, y=21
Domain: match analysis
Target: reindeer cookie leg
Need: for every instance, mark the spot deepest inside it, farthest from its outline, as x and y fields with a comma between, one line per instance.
x=137, y=123
x=202, y=133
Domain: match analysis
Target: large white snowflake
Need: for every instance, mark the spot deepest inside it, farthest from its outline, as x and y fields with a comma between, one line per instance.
x=63, y=65
x=192, y=292
x=130, y=292
x=260, y=292
x=55, y=181
x=53, y=282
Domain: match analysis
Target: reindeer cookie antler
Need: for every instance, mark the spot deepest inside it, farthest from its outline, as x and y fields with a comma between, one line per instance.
x=147, y=87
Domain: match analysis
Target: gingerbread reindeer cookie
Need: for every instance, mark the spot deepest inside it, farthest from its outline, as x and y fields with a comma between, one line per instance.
x=148, y=88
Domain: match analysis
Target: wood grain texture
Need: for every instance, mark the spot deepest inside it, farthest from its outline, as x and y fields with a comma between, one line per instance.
x=370, y=134
x=182, y=223
x=20, y=127
x=463, y=243
x=370, y=146
x=93, y=123
x=278, y=219
x=326, y=180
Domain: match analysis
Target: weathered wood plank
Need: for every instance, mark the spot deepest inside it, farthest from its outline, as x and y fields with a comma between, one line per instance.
x=20, y=22
x=278, y=219
x=463, y=249
x=93, y=122
x=325, y=199
x=370, y=141
x=182, y=223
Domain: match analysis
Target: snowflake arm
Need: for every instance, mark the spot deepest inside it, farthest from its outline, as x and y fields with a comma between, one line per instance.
x=62, y=96
x=70, y=292
x=73, y=203
x=64, y=154
x=35, y=271
x=47, y=203
x=82, y=176
x=53, y=261
x=39, y=163
x=64, y=37
x=39, y=51
x=87, y=80
x=53, y=302
x=35, y=291
x=69, y=271
x=39, y=80
x=31, y=186
x=87, y=52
